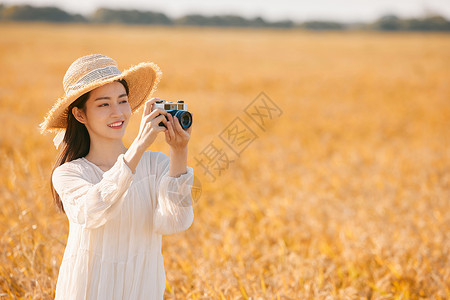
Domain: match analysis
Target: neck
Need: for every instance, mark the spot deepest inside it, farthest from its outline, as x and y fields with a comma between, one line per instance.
x=104, y=153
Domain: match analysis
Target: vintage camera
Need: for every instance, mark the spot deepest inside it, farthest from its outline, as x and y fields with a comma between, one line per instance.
x=178, y=109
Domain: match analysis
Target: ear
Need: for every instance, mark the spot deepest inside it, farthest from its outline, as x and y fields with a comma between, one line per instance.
x=79, y=115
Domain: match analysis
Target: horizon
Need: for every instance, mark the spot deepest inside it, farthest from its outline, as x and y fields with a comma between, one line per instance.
x=325, y=10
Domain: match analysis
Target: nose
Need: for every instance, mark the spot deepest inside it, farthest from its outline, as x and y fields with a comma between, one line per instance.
x=116, y=111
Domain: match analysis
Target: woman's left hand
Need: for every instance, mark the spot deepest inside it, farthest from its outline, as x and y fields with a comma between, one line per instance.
x=176, y=136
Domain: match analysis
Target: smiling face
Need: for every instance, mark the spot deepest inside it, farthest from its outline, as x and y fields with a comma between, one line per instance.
x=107, y=112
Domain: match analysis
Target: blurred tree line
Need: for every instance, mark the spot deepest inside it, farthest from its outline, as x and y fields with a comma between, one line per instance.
x=28, y=13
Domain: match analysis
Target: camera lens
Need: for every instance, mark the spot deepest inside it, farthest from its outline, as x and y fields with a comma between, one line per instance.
x=185, y=118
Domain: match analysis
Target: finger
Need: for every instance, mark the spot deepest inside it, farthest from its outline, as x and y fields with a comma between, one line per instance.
x=155, y=121
x=166, y=133
x=189, y=130
x=155, y=114
x=153, y=103
x=168, y=136
x=158, y=120
x=178, y=127
x=170, y=127
x=160, y=129
x=147, y=108
x=149, y=105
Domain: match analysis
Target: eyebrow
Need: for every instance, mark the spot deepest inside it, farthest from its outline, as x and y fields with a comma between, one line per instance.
x=109, y=98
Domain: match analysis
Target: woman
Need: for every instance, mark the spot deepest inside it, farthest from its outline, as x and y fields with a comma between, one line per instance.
x=119, y=201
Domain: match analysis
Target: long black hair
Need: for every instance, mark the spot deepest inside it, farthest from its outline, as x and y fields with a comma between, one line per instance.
x=76, y=142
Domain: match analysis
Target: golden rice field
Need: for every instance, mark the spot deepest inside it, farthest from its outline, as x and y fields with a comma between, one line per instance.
x=345, y=195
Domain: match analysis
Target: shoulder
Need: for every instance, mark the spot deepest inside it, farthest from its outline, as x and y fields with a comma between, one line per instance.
x=68, y=173
x=74, y=167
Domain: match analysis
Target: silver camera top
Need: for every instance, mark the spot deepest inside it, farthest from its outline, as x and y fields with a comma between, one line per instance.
x=163, y=104
x=176, y=109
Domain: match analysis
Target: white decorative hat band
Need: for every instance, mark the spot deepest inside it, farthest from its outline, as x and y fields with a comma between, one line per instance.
x=95, y=75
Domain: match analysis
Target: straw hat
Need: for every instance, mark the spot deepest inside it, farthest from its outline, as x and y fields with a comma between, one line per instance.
x=92, y=71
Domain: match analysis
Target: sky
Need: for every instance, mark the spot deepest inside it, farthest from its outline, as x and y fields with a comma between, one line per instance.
x=275, y=10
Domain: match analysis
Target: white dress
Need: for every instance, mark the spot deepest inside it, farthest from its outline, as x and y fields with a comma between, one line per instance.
x=116, y=220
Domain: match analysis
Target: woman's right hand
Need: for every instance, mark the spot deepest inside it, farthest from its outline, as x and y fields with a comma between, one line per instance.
x=147, y=133
x=149, y=128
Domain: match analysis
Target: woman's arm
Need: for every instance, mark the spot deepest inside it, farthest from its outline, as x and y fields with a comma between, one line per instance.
x=87, y=204
x=178, y=139
x=148, y=132
x=178, y=161
x=173, y=211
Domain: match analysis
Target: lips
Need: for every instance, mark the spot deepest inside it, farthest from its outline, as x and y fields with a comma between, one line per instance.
x=116, y=125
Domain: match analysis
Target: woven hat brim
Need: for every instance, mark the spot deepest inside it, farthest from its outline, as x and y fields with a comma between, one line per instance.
x=142, y=82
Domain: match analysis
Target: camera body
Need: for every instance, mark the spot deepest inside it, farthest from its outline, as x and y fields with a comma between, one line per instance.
x=177, y=109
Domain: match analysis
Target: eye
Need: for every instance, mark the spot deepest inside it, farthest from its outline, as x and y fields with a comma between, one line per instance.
x=102, y=105
x=124, y=101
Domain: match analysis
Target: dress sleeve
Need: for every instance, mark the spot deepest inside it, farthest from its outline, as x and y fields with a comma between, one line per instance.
x=174, y=211
x=92, y=205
